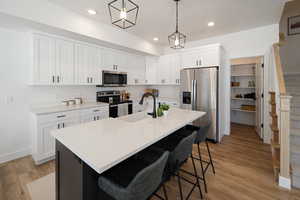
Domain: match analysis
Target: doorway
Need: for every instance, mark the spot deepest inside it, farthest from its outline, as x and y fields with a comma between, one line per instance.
x=247, y=93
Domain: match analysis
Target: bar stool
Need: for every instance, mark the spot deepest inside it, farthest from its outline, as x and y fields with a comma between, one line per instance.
x=180, y=150
x=201, y=138
x=135, y=179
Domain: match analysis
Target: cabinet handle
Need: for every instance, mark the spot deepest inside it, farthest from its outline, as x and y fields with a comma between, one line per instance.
x=58, y=126
x=63, y=125
x=96, y=110
x=196, y=62
x=98, y=117
x=94, y=118
x=88, y=80
x=200, y=62
x=58, y=79
x=92, y=80
x=61, y=116
x=53, y=79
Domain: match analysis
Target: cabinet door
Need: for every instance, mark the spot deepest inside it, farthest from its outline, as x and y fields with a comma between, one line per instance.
x=81, y=57
x=69, y=122
x=151, y=70
x=94, y=63
x=44, y=60
x=108, y=60
x=163, y=72
x=175, y=67
x=46, y=147
x=191, y=59
x=65, y=62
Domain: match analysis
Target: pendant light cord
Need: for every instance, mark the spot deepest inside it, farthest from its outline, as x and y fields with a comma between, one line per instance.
x=176, y=16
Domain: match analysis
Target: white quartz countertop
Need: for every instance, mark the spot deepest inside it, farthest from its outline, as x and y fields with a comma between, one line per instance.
x=63, y=108
x=105, y=143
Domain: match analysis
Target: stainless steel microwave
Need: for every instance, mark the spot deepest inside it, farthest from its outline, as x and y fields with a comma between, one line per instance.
x=114, y=79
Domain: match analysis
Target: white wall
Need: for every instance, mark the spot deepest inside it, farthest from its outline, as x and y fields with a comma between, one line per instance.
x=253, y=42
x=17, y=97
x=36, y=13
x=290, y=50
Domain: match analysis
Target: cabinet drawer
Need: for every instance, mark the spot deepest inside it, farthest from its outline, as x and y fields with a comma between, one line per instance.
x=57, y=116
x=94, y=110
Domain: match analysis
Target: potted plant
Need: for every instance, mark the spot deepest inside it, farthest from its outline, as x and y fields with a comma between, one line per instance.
x=165, y=108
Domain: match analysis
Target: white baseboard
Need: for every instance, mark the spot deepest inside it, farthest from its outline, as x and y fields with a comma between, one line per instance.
x=285, y=182
x=15, y=155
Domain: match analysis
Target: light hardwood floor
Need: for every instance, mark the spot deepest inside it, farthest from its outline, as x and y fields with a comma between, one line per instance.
x=243, y=171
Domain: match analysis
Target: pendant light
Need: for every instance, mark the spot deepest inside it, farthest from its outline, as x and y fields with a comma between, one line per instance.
x=123, y=13
x=177, y=40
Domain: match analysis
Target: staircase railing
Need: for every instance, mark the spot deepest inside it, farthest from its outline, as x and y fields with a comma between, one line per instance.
x=280, y=116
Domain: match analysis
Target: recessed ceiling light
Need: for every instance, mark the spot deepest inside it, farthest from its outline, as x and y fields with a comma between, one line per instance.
x=92, y=12
x=211, y=24
x=155, y=39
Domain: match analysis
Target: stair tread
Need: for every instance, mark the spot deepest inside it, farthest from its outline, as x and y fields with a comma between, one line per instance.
x=296, y=169
x=295, y=148
x=295, y=131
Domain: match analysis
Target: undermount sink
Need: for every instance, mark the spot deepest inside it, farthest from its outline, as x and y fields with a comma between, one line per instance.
x=135, y=117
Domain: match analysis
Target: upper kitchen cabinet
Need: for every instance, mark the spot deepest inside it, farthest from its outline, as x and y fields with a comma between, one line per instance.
x=53, y=61
x=169, y=69
x=44, y=72
x=113, y=60
x=65, y=62
x=151, y=70
x=205, y=56
x=175, y=67
x=136, y=68
x=88, y=61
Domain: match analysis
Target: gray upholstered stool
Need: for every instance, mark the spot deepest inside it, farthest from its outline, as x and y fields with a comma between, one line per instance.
x=134, y=179
x=201, y=138
x=180, y=150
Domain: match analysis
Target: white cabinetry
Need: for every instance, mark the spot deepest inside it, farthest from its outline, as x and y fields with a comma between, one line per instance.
x=136, y=69
x=64, y=62
x=151, y=70
x=88, y=65
x=205, y=56
x=169, y=69
x=44, y=143
x=94, y=114
x=44, y=60
x=113, y=60
x=53, y=61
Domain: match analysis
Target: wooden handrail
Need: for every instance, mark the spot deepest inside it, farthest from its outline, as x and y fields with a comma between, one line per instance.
x=280, y=122
x=280, y=76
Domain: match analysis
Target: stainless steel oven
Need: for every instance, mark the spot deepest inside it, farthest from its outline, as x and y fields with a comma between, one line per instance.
x=114, y=79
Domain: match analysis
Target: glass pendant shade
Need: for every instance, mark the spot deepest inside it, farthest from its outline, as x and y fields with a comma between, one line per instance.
x=177, y=40
x=123, y=13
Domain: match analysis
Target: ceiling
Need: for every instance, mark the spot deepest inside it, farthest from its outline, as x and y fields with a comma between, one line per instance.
x=157, y=17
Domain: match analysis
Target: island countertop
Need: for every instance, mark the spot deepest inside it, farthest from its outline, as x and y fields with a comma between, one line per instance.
x=105, y=143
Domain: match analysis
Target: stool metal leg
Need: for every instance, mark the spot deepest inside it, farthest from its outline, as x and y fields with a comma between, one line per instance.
x=201, y=163
x=210, y=160
x=197, y=177
x=180, y=188
x=165, y=191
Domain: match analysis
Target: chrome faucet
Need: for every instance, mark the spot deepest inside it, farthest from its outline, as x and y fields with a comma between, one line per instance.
x=154, y=103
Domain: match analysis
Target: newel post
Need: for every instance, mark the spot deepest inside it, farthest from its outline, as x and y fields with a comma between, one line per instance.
x=284, y=178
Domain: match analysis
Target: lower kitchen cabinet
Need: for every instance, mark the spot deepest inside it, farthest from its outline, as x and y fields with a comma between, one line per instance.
x=44, y=144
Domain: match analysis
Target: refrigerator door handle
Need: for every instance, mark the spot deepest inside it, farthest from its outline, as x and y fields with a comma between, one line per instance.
x=194, y=94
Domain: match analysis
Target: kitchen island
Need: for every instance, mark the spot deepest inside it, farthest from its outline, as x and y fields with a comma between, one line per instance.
x=87, y=150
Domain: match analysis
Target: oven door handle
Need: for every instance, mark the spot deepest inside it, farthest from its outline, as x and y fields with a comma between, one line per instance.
x=113, y=106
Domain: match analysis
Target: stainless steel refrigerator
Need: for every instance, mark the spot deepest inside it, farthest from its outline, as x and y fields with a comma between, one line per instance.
x=199, y=91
